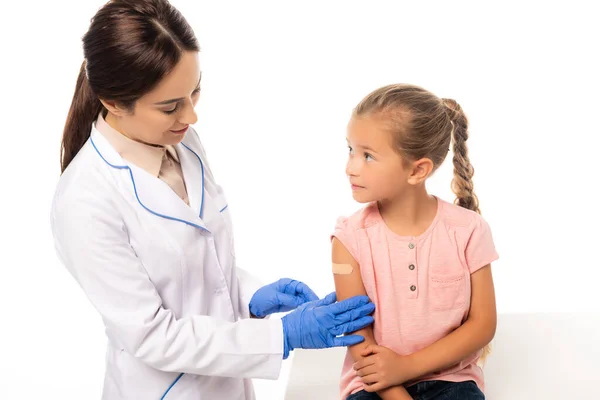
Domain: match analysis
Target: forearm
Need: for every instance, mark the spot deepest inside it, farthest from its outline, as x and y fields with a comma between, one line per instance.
x=357, y=349
x=393, y=393
x=469, y=338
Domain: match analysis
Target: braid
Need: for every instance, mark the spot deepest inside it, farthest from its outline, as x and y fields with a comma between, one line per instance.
x=462, y=183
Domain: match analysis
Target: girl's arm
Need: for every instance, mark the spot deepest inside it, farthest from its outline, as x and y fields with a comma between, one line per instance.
x=381, y=367
x=470, y=337
x=351, y=284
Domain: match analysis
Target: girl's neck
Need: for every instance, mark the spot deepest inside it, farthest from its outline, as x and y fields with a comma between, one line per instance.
x=409, y=214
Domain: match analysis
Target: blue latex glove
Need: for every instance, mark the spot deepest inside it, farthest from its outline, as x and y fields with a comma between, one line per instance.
x=284, y=295
x=317, y=324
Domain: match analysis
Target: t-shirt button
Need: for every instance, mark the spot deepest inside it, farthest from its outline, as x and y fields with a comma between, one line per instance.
x=411, y=267
x=413, y=288
x=411, y=246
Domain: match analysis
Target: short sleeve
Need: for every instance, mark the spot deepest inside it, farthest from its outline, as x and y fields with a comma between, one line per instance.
x=480, y=249
x=346, y=235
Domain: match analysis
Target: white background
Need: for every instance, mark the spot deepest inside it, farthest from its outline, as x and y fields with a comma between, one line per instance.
x=279, y=82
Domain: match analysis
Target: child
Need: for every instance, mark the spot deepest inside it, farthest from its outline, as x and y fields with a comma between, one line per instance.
x=424, y=262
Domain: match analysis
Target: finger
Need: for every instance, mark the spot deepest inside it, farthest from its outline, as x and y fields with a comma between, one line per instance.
x=352, y=326
x=302, y=290
x=366, y=371
x=286, y=285
x=352, y=315
x=376, y=387
x=327, y=300
x=367, y=350
x=372, y=349
x=286, y=301
x=364, y=363
x=349, y=304
x=257, y=313
x=283, y=282
x=371, y=379
x=345, y=341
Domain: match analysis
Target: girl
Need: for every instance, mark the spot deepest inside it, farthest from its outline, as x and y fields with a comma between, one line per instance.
x=424, y=262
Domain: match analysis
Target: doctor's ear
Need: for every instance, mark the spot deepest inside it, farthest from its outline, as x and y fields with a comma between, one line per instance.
x=115, y=108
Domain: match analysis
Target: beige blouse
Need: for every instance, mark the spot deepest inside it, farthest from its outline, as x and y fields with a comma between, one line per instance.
x=159, y=161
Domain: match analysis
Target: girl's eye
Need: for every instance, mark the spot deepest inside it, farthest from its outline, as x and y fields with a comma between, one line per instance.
x=368, y=156
x=350, y=149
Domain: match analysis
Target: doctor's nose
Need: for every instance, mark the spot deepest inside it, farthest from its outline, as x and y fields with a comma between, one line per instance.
x=188, y=115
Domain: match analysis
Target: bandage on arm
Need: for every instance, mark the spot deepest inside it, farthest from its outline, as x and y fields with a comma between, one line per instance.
x=348, y=283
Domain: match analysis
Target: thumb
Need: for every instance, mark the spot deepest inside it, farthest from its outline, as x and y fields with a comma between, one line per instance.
x=327, y=300
x=290, y=301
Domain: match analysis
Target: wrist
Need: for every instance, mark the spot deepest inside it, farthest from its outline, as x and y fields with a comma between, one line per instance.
x=286, y=343
x=252, y=315
x=416, y=366
x=393, y=393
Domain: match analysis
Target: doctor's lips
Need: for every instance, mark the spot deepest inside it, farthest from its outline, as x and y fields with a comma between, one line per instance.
x=181, y=131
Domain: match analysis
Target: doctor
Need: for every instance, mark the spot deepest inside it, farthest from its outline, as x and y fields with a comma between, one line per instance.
x=143, y=227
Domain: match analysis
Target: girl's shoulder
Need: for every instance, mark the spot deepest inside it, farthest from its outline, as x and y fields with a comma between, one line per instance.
x=455, y=216
x=361, y=219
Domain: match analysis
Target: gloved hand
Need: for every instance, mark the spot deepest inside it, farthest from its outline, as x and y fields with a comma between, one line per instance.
x=284, y=295
x=317, y=324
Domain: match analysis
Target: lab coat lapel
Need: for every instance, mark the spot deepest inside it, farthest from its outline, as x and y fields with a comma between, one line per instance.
x=194, y=176
x=151, y=193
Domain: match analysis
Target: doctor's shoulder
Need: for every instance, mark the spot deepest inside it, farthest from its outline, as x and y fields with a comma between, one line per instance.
x=85, y=184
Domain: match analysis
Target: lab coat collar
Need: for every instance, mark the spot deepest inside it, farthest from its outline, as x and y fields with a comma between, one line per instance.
x=153, y=194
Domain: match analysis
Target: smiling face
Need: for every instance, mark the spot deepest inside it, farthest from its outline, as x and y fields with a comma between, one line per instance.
x=162, y=116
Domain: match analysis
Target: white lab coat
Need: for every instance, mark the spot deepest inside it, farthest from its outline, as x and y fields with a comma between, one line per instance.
x=162, y=275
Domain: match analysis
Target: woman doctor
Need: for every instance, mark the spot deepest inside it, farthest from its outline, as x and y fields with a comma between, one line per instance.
x=143, y=227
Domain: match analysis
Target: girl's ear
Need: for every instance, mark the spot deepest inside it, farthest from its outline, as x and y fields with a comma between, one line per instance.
x=420, y=171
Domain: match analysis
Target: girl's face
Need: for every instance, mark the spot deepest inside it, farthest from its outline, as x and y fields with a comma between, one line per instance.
x=162, y=116
x=374, y=168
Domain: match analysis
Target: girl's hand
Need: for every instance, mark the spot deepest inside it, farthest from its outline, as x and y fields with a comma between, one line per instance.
x=382, y=368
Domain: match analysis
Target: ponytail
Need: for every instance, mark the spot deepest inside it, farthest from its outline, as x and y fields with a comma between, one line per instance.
x=126, y=40
x=84, y=110
x=462, y=183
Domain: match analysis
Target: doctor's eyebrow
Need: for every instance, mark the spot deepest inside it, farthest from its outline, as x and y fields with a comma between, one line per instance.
x=162, y=103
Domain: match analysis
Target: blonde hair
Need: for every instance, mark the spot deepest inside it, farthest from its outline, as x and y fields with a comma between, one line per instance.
x=423, y=126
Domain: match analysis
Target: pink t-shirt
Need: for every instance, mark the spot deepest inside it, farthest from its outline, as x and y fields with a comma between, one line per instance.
x=420, y=285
